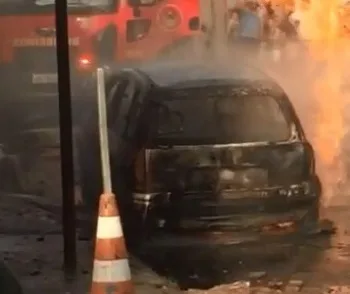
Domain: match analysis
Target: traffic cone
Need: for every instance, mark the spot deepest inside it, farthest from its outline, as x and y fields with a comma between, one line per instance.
x=111, y=271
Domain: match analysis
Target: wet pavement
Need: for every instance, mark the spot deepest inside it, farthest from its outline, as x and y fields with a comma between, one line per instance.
x=319, y=264
x=31, y=248
x=29, y=225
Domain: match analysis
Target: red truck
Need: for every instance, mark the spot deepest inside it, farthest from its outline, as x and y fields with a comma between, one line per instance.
x=101, y=33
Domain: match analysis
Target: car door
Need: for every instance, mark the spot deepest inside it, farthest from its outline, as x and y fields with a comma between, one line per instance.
x=128, y=100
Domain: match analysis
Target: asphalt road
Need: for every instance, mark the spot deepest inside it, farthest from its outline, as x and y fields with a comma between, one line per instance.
x=31, y=248
x=318, y=264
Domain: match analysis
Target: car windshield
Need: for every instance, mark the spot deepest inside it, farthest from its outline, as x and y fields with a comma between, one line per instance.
x=224, y=121
x=46, y=6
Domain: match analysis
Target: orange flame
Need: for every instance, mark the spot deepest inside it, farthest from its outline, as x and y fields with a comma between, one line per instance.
x=322, y=24
x=324, y=29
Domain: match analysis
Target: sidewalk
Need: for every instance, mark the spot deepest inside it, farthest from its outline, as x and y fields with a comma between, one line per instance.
x=31, y=247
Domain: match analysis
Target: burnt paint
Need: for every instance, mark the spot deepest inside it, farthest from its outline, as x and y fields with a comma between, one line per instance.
x=284, y=164
x=206, y=207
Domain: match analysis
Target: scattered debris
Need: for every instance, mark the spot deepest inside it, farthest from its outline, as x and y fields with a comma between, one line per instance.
x=40, y=238
x=239, y=287
x=294, y=286
x=275, y=284
x=327, y=226
x=260, y=290
x=324, y=226
x=337, y=290
x=256, y=275
x=35, y=273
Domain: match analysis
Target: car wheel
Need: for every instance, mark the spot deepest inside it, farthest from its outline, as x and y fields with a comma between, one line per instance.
x=311, y=220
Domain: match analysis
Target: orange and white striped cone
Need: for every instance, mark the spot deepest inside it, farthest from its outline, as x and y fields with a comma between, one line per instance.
x=111, y=270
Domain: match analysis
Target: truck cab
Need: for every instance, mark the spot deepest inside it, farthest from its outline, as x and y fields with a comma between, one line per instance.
x=161, y=28
x=101, y=33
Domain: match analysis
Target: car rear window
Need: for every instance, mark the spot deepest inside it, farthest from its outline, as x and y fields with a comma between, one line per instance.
x=225, y=120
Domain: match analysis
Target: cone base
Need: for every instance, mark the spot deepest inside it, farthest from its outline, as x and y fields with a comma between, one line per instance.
x=112, y=288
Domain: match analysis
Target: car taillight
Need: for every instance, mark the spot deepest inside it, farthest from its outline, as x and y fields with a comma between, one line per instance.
x=85, y=62
x=169, y=17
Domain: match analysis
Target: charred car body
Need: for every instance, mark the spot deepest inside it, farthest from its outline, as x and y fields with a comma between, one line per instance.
x=197, y=150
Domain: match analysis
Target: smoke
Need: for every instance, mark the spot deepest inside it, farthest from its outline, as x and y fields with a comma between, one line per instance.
x=315, y=93
x=315, y=77
x=315, y=80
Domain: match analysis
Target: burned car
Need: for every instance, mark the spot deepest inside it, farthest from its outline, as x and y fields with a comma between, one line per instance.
x=199, y=151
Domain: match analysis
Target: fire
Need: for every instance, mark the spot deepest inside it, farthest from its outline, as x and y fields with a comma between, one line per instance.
x=322, y=25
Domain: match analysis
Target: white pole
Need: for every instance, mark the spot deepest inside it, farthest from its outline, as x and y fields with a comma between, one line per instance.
x=103, y=132
x=219, y=24
x=213, y=14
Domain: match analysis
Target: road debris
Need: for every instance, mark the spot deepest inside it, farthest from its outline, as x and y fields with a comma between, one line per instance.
x=239, y=287
x=337, y=290
x=40, y=270
x=294, y=286
x=327, y=226
x=257, y=275
x=275, y=284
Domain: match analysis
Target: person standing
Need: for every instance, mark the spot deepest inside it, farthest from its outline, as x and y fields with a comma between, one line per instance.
x=249, y=30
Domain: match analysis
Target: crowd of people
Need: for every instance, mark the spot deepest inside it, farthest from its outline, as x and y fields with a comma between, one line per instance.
x=253, y=23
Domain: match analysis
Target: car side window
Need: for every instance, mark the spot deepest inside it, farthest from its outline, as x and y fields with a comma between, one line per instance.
x=119, y=105
x=127, y=107
x=133, y=116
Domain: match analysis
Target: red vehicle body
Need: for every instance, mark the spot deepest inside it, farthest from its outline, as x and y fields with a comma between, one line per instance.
x=102, y=33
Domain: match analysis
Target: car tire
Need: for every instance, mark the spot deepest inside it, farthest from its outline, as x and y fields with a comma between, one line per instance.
x=311, y=220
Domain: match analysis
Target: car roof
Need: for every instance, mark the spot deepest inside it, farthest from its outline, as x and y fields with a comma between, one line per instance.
x=183, y=74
